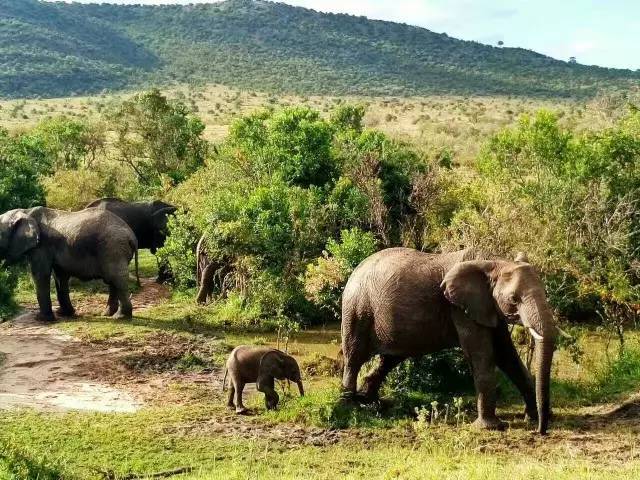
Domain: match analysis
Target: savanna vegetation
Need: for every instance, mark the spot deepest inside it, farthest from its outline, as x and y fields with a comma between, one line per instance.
x=290, y=198
x=58, y=49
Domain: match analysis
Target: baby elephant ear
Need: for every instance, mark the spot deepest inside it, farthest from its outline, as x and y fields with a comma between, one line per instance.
x=25, y=235
x=522, y=257
x=467, y=286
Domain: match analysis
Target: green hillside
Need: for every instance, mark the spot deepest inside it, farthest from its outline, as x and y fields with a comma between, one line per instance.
x=58, y=49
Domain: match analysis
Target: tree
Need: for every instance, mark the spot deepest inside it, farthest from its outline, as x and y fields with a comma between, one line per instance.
x=20, y=185
x=69, y=144
x=159, y=140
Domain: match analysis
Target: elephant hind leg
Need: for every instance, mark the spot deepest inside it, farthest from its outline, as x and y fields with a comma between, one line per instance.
x=112, y=302
x=508, y=360
x=232, y=392
x=121, y=288
x=373, y=381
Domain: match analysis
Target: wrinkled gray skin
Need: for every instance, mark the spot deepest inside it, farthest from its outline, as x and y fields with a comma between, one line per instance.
x=87, y=245
x=148, y=220
x=259, y=365
x=402, y=303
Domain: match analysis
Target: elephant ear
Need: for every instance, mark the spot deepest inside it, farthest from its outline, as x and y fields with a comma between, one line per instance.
x=467, y=286
x=273, y=364
x=159, y=217
x=25, y=235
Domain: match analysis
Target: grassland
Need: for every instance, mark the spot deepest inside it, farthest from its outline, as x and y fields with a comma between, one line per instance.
x=452, y=125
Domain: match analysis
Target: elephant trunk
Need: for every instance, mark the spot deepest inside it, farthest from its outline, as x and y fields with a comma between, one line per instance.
x=537, y=316
x=544, y=357
x=300, y=388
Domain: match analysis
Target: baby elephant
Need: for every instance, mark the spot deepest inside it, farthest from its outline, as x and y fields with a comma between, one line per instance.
x=261, y=365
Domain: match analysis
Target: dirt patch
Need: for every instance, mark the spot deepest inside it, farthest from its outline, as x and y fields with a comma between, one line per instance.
x=282, y=433
x=148, y=295
x=43, y=368
x=161, y=352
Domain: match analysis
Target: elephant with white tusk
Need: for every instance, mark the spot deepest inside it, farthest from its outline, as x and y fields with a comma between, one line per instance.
x=402, y=303
x=261, y=365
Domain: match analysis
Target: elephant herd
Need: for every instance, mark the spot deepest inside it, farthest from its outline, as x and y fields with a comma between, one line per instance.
x=97, y=242
x=397, y=304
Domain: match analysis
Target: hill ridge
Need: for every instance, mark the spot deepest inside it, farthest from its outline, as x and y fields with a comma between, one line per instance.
x=59, y=49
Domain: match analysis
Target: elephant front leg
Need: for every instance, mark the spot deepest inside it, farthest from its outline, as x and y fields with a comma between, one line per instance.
x=42, y=281
x=509, y=362
x=477, y=344
x=65, y=308
x=266, y=385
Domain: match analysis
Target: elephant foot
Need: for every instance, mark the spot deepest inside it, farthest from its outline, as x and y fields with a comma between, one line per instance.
x=67, y=313
x=119, y=315
x=45, y=317
x=531, y=415
x=488, y=423
x=366, y=398
x=241, y=411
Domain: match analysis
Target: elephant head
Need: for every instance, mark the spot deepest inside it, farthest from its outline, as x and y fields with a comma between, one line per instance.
x=490, y=291
x=160, y=219
x=276, y=364
x=19, y=233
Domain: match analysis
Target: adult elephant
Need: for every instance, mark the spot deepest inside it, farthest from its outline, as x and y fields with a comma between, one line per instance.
x=148, y=220
x=87, y=245
x=402, y=303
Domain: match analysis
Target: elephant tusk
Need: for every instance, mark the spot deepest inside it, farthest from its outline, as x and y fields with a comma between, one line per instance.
x=535, y=334
x=563, y=333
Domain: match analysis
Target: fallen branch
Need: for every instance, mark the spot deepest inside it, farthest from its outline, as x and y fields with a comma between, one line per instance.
x=111, y=475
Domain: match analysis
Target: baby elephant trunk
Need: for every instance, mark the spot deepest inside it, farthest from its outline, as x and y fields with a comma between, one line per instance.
x=300, y=388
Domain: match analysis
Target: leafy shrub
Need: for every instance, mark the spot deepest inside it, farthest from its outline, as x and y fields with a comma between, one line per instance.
x=8, y=282
x=285, y=186
x=325, y=278
x=20, y=185
x=570, y=200
x=442, y=374
x=294, y=141
x=179, y=250
x=74, y=189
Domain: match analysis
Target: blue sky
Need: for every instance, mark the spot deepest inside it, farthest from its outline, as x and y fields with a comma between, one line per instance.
x=596, y=32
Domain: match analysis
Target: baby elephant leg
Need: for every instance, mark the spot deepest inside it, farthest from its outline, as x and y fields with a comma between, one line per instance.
x=266, y=386
x=239, y=387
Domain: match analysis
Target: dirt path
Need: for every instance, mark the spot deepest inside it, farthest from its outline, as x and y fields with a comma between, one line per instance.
x=43, y=368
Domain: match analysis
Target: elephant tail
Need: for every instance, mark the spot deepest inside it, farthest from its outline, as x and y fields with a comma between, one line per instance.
x=134, y=245
x=224, y=379
x=137, y=268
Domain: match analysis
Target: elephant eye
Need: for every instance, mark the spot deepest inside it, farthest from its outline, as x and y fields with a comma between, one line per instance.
x=513, y=298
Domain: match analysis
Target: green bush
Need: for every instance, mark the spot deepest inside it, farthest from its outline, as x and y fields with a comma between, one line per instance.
x=179, y=250
x=441, y=374
x=570, y=200
x=20, y=185
x=8, y=282
x=325, y=278
x=286, y=185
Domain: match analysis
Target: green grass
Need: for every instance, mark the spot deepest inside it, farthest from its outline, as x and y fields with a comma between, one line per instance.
x=159, y=439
